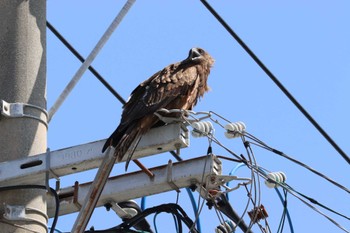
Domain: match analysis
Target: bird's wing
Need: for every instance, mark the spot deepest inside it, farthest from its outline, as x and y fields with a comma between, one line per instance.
x=158, y=91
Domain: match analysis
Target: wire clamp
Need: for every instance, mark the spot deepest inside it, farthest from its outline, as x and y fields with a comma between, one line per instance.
x=175, y=115
x=170, y=176
x=17, y=110
x=227, y=179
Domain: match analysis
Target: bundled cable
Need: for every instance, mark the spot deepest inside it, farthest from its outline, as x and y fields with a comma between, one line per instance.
x=179, y=214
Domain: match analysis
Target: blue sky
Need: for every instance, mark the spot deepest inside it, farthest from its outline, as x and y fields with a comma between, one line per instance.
x=304, y=43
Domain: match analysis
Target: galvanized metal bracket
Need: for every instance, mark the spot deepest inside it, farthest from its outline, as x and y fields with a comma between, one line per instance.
x=17, y=110
x=122, y=212
x=16, y=212
x=170, y=177
x=50, y=172
x=22, y=213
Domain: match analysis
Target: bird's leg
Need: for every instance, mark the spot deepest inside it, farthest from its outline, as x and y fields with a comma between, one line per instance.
x=144, y=169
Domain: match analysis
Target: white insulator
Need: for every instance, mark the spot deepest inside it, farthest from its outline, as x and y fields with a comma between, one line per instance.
x=227, y=227
x=201, y=128
x=278, y=177
x=234, y=130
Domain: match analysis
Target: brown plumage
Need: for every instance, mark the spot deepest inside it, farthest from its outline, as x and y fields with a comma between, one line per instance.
x=177, y=86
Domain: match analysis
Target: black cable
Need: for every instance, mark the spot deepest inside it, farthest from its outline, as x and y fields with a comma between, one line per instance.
x=92, y=70
x=313, y=201
x=264, y=146
x=31, y=186
x=295, y=194
x=169, y=208
x=276, y=81
x=269, y=148
x=224, y=206
x=312, y=170
x=300, y=196
x=176, y=156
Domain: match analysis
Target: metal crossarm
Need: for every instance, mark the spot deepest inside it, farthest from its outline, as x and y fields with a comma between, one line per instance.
x=88, y=156
x=198, y=171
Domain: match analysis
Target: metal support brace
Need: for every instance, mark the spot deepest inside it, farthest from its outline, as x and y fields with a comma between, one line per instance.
x=15, y=110
x=50, y=171
x=170, y=176
x=95, y=191
x=120, y=211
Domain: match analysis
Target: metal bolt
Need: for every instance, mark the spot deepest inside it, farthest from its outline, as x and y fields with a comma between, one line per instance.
x=193, y=187
x=108, y=206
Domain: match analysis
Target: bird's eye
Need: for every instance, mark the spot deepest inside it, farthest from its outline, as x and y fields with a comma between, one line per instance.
x=201, y=51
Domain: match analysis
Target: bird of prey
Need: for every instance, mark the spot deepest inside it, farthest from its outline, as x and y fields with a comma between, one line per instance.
x=177, y=86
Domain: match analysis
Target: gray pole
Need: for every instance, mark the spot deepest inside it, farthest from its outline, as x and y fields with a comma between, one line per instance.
x=23, y=80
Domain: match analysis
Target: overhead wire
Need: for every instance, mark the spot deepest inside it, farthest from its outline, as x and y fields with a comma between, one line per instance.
x=265, y=146
x=256, y=181
x=312, y=200
x=301, y=196
x=251, y=163
x=276, y=81
x=295, y=194
x=317, y=203
x=120, y=99
x=239, y=165
x=81, y=58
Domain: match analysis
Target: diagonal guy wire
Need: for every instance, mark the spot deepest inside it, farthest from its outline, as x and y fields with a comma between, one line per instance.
x=90, y=58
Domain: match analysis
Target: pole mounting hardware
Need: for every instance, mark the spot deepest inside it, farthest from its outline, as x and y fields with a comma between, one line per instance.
x=16, y=110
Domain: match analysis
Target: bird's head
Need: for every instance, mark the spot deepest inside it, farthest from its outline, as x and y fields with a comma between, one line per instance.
x=198, y=55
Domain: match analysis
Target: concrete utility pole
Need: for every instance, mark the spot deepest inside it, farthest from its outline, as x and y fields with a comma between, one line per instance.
x=23, y=81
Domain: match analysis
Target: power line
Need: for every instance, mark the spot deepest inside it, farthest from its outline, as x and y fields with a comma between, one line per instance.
x=276, y=81
x=261, y=144
x=80, y=57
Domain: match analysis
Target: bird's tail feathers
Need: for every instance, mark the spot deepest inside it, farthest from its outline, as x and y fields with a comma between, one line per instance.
x=115, y=137
x=128, y=142
x=132, y=149
x=107, y=144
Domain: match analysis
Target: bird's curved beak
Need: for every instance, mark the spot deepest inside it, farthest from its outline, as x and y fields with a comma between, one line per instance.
x=193, y=54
